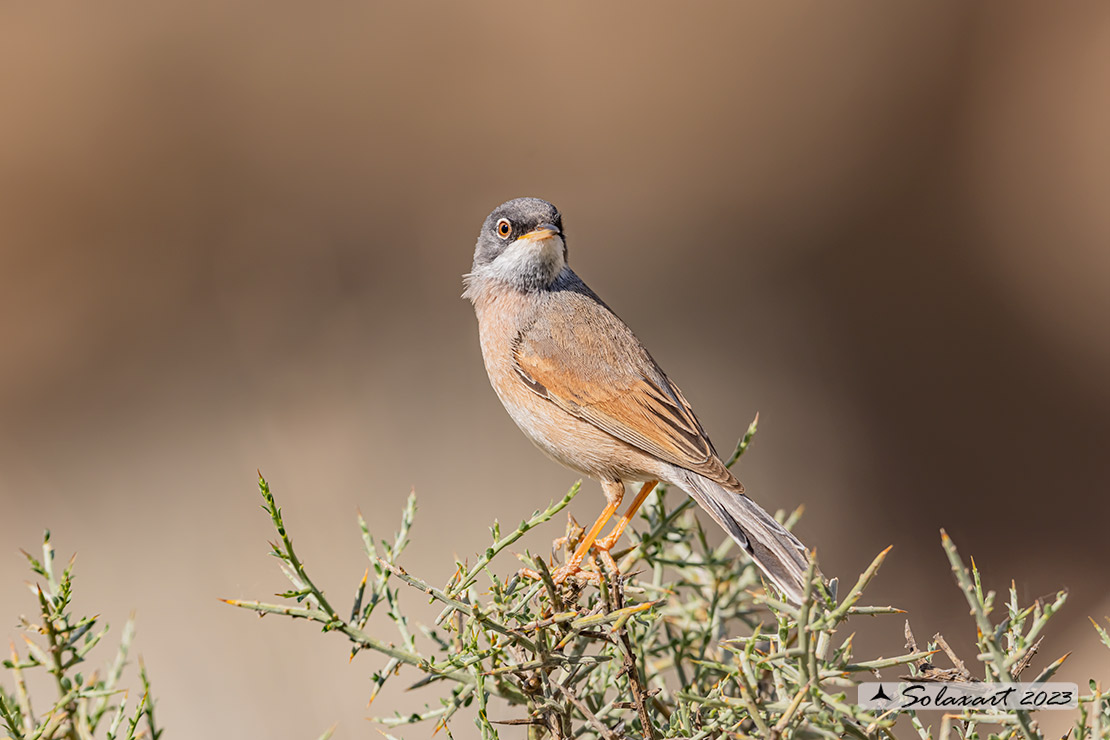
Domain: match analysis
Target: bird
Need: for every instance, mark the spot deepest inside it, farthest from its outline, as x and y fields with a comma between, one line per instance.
x=582, y=387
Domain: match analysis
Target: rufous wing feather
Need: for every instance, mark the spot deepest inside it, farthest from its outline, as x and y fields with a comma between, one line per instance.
x=588, y=362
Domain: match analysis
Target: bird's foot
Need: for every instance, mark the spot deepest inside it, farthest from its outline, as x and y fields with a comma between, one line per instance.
x=607, y=559
x=605, y=544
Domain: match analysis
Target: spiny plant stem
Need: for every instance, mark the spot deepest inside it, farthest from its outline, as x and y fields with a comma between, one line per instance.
x=672, y=638
x=82, y=702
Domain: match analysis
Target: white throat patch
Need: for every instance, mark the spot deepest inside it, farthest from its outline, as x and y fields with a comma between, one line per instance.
x=529, y=256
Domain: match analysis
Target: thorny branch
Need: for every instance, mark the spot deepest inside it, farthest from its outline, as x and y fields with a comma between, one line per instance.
x=677, y=638
x=59, y=643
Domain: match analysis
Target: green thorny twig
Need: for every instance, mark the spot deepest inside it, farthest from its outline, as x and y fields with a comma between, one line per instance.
x=682, y=640
x=84, y=707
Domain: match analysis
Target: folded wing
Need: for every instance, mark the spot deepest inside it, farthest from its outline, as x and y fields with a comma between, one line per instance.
x=588, y=362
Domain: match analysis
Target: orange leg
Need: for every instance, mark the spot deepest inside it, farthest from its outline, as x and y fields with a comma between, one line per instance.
x=607, y=542
x=574, y=564
x=614, y=492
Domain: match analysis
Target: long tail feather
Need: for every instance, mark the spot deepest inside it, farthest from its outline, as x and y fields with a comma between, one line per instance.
x=776, y=551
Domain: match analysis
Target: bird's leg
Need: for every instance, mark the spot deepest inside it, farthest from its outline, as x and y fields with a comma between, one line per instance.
x=614, y=492
x=607, y=542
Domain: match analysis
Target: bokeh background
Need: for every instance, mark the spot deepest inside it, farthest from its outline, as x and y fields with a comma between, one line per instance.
x=231, y=236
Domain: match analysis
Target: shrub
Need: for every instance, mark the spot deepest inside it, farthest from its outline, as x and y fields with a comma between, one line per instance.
x=678, y=639
x=85, y=706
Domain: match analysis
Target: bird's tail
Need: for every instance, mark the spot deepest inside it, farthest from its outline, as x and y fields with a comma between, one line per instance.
x=776, y=551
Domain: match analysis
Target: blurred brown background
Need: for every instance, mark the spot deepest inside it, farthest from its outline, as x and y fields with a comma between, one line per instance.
x=231, y=236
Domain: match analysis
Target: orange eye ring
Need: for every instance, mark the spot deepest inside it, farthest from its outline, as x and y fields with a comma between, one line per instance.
x=504, y=228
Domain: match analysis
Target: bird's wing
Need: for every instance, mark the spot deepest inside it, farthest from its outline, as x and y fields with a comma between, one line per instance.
x=577, y=354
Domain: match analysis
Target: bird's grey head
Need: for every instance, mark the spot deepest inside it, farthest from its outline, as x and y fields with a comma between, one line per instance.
x=520, y=245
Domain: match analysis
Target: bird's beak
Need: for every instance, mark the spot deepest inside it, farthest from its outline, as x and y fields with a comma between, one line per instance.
x=541, y=232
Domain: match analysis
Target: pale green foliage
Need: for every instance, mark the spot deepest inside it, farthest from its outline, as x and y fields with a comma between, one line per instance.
x=84, y=707
x=679, y=639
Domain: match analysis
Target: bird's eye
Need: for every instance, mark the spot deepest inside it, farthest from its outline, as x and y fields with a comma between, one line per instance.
x=504, y=228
